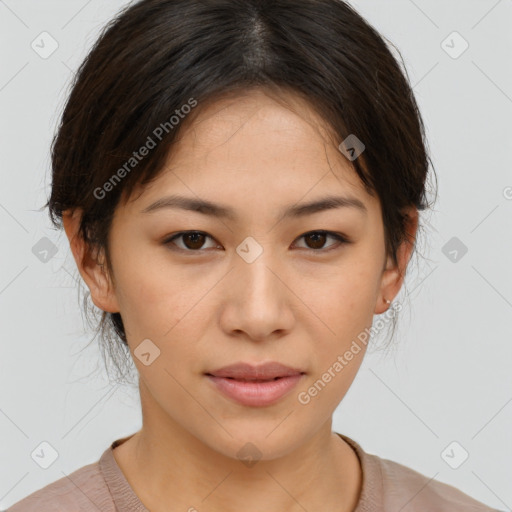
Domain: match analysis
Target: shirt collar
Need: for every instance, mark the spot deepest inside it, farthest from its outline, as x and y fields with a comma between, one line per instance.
x=126, y=500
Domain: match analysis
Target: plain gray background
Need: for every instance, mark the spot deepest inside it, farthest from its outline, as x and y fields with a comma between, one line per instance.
x=449, y=378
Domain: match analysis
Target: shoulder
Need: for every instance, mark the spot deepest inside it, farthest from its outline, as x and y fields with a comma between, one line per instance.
x=83, y=490
x=389, y=486
x=404, y=487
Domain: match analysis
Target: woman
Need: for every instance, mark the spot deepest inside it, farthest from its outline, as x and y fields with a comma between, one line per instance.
x=240, y=182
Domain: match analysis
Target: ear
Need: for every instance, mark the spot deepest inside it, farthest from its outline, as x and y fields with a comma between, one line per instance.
x=93, y=272
x=393, y=275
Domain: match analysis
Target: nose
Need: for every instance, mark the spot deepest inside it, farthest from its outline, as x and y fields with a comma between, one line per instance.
x=257, y=300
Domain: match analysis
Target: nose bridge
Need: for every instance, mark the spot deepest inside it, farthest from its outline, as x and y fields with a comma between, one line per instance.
x=255, y=269
x=258, y=296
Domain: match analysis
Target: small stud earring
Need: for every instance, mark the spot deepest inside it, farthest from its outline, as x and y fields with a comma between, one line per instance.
x=387, y=301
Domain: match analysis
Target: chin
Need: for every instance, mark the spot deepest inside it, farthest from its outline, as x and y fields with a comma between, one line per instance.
x=251, y=443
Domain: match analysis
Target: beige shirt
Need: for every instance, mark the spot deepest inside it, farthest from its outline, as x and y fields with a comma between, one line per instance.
x=387, y=486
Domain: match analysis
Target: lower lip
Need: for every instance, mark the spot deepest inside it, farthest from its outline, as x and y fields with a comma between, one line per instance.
x=256, y=394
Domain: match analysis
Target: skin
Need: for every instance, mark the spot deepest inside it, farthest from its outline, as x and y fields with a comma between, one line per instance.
x=297, y=303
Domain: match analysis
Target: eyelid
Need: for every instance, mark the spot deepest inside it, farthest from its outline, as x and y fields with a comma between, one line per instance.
x=169, y=241
x=341, y=238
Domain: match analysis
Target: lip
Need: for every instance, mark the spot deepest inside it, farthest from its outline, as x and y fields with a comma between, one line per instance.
x=255, y=386
x=264, y=371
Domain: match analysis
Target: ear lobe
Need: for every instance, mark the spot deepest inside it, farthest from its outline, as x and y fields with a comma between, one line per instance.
x=92, y=271
x=394, y=274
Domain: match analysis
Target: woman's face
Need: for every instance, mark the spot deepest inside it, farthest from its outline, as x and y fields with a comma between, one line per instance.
x=255, y=285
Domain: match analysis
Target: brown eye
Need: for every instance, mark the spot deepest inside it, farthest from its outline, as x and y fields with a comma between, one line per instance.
x=192, y=241
x=316, y=240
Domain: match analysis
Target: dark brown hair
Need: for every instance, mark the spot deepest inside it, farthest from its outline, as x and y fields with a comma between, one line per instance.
x=156, y=56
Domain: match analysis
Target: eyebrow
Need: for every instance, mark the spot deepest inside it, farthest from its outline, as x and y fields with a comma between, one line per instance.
x=217, y=210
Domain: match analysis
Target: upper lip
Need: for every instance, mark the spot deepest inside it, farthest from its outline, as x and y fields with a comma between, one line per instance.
x=243, y=370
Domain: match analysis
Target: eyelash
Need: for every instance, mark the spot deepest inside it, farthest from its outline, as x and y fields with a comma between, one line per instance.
x=343, y=240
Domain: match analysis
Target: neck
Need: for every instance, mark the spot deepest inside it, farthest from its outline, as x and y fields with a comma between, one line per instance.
x=168, y=467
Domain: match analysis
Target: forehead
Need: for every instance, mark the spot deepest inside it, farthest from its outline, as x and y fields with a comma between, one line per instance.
x=255, y=147
x=258, y=116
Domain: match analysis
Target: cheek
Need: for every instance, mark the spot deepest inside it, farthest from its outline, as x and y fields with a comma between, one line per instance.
x=163, y=304
x=167, y=388
x=149, y=294
x=344, y=299
x=345, y=305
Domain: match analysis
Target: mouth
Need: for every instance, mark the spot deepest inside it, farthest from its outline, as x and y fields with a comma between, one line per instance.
x=255, y=386
x=248, y=380
x=263, y=372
